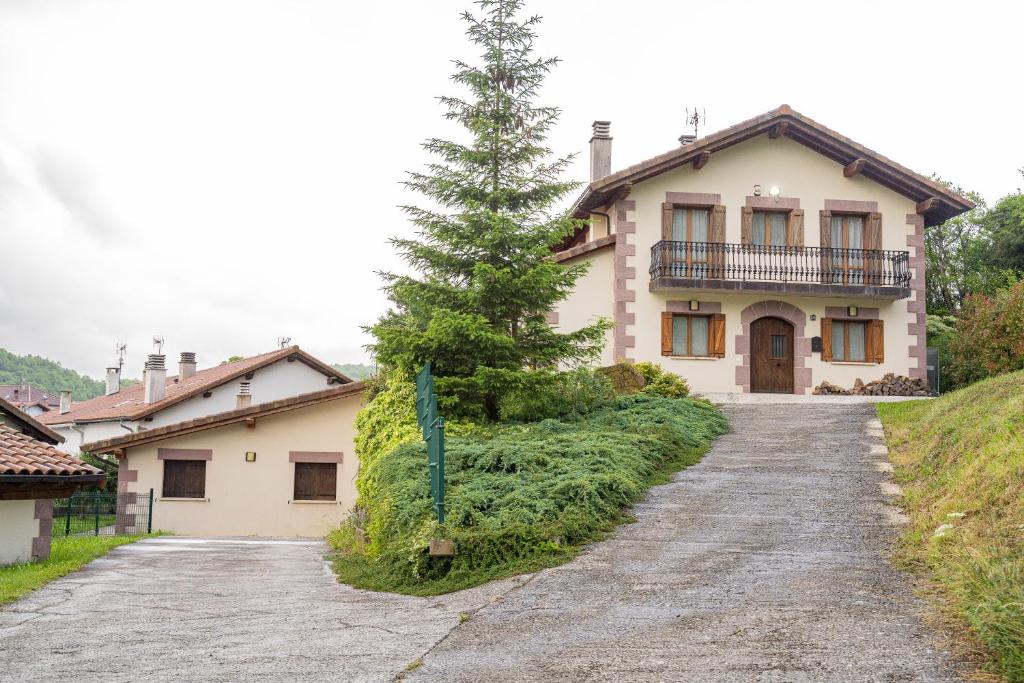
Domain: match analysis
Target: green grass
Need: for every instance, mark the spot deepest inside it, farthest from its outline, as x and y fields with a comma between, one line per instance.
x=520, y=497
x=960, y=460
x=66, y=555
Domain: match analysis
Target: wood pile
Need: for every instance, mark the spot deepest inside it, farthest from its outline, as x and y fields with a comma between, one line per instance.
x=890, y=385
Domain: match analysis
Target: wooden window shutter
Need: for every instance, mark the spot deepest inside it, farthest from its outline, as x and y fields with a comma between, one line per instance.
x=826, y=229
x=826, y=339
x=873, y=231
x=316, y=481
x=795, y=228
x=876, y=341
x=666, y=334
x=666, y=220
x=825, y=242
x=184, y=479
x=716, y=235
x=716, y=338
x=747, y=225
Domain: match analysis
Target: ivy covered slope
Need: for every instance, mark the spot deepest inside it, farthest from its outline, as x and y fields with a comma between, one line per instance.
x=960, y=460
x=520, y=497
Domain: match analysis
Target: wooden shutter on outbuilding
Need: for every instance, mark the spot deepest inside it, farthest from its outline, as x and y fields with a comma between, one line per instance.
x=716, y=235
x=875, y=342
x=666, y=334
x=825, y=242
x=184, y=479
x=795, y=228
x=826, y=339
x=667, y=210
x=716, y=336
x=316, y=480
x=747, y=225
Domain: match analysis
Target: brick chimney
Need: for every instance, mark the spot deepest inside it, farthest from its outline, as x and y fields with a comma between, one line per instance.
x=113, y=381
x=244, y=398
x=186, y=365
x=65, y=401
x=600, y=150
x=154, y=377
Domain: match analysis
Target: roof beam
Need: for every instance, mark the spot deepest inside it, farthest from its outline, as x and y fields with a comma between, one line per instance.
x=928, y=205
x=854, y=167
x=778, y=130
x=701, y=160
x=624, y=190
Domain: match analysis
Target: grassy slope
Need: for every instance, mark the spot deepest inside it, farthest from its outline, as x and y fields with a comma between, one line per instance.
x=66, y=555
x=521, y=497
x=964, y=453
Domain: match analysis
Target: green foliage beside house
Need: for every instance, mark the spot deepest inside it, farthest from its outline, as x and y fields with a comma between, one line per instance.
x=960, y=460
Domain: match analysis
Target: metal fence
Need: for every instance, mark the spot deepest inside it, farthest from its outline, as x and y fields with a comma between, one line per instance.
x=102, y=513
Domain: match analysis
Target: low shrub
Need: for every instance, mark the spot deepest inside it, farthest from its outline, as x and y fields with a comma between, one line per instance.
x=989, y=337
x=519, y=496
x=661, y=382
x=557, y=395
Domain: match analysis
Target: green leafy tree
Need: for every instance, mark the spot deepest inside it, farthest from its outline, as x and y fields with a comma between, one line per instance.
x=989, y=337
x=1005, y=227
x=485, y=278
x=955, y=255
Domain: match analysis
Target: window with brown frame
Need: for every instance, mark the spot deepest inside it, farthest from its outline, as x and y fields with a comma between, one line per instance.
x=845, y=237
x=693, y=335
x=693, y=233
x=316, y=481
x=852, y=341
x=768, y=228
x=184, y=479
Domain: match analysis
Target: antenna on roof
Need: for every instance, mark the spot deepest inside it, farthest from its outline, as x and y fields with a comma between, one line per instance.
x=158, y=343
x=120, y=348
x=696, y=118
x=284, y=342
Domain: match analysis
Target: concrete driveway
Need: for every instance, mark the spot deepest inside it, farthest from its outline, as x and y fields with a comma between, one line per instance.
x=767, y=561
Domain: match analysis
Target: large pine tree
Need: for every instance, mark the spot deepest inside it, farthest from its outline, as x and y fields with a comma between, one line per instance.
x=485, y=280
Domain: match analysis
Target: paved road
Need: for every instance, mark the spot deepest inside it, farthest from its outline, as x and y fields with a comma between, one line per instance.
x=766, y=561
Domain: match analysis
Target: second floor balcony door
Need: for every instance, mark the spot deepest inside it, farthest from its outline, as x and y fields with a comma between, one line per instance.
x=691, y=225
x=848, y=238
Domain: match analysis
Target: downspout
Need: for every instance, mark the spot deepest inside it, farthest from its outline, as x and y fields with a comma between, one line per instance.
x=124, y=426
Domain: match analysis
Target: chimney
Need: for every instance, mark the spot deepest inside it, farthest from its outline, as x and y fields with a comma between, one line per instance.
x=113, y=380
x=600, y=150
x=186, y=365
x=686, y=139
x=154, y=377
x=244, y=398
x=65, y=401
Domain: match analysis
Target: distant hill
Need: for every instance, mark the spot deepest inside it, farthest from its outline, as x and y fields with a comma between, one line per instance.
x=356, y=370
x=50, y=376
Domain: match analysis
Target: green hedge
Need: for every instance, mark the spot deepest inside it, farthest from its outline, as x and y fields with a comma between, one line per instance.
x=520, y=496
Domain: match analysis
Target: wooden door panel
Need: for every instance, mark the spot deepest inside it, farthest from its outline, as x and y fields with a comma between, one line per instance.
x=771, y=356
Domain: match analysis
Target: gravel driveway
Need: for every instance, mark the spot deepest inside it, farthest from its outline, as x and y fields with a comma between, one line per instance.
x=766, y=561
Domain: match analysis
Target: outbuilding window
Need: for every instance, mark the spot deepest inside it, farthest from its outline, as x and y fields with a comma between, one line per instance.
x=316, y=481
x=184, y=479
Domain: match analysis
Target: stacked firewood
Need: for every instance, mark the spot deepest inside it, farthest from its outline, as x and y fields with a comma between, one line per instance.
x=890, y=385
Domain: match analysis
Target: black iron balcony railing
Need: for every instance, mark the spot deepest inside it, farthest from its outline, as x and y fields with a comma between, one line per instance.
x=745, y=262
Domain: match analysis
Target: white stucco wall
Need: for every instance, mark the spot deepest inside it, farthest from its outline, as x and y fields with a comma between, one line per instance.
x=255, y=499
x=278, y=380
x=592, y=299
x=732, y=173
x=18, y=526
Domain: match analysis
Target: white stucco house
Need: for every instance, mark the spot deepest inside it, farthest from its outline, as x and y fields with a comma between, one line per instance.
x=160, y=400
x=766, y=257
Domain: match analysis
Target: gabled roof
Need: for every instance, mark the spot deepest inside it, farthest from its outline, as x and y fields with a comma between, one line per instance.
x=129, y=403
x=220, y=419
x=16, y=394
x=20, y=454
x=38, y=429
x=937, y=202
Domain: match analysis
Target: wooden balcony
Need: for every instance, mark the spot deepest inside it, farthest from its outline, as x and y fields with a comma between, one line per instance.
x=808, y=271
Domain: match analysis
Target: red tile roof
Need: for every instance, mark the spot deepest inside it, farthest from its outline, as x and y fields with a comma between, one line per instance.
x=38, y=429
x=21, y=454
x=130, y=404
x=17, y=394
x=220, y=419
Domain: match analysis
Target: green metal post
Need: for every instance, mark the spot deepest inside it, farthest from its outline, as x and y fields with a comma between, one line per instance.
x=97, y=509
x=149, y=514
x=67, y=517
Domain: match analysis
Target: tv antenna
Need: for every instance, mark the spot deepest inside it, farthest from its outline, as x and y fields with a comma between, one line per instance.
x=120, y=348
x=158, y=343
x=284, y=342
x=696, y=118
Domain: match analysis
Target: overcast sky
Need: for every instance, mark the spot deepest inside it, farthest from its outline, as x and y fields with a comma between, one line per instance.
x=225, y=172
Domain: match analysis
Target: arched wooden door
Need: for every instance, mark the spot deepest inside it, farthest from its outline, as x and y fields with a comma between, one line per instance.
x=771, y=356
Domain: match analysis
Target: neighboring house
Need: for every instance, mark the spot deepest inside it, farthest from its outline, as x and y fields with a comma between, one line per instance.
x=766, y=257
x=284, y=468
x=32, y=474
x=29, y=398
x=161, y=400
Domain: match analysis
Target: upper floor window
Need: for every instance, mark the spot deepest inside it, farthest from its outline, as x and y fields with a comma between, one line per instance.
x=768, y=228
x=690, y=224
x=847, y=234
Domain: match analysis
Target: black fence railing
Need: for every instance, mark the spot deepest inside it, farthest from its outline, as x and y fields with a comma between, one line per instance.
x=705, y=260
x=102, y=513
